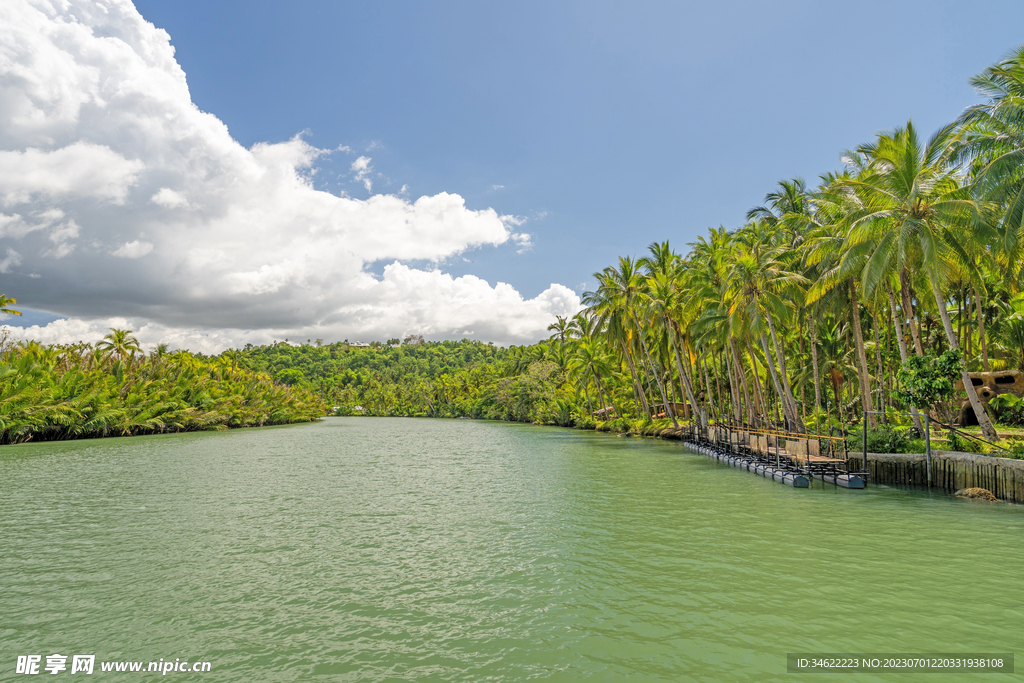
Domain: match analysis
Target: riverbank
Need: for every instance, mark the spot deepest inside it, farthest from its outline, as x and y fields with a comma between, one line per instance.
x=951, y=471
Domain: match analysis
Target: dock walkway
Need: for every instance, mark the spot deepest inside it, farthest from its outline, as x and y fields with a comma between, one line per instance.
x=791, y=459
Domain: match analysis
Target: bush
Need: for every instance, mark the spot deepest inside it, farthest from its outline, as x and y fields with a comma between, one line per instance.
x=585, y=422
x=956, y=443
x=1015, y=448
x=1008, y=409
x=925, y=380
x=883, y=439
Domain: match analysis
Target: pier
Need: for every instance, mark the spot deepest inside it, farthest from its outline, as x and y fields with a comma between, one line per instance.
x=788, y=458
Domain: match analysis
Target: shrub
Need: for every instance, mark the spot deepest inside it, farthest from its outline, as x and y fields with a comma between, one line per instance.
x=1015, y=448
x=585, y=422
x=956, y=443
x=883, y=439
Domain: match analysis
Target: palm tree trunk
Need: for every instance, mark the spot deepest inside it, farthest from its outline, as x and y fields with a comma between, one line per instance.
x=858, y=334
x=733, y=389
x=878, y=369
x=718, y=385
x=908, y=311
x=638, y=393
x=684, y=378
x=762, y=409
x=813, y=324
x=657, y=377
x=981, y=330
x=965, y=346
x=979, y=410
x=605, y=401
x=738, y=360
x=788, y=398
x=779, y=391
x=707, y=386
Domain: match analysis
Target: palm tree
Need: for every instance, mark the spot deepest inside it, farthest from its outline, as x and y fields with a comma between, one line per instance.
x=990, y=137
x=917, y=211
x=5, y=302
x=761, y=287
x=560, y=328
x=120, y=343
x=615, y=303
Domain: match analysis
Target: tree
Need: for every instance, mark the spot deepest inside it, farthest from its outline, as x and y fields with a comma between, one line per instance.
x=121, y=344
x=990, y=136
x=926, y=380
x=5, y=303
x=917, y=210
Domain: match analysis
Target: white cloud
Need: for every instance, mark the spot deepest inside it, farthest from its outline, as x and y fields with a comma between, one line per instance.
x=361, y=167
x=404, y=301
x=523, y=240
x=61, y=236
x=133, y=249
x=100, y=143
x=80, y=169
x=497, y=187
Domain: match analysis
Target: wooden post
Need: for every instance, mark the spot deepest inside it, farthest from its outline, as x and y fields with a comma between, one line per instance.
x=928, y=445
x=864, y=442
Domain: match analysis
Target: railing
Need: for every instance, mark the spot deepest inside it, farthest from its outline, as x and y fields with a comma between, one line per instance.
x=820, y=452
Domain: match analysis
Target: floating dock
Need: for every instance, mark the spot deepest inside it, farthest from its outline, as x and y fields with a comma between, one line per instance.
x=789, y=459
x=773, y=472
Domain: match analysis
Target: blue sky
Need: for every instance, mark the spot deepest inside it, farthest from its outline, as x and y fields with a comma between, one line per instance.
x=522, y=143
x=608, y=125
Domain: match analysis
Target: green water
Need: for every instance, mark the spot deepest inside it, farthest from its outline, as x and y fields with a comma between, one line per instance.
x=361, y=549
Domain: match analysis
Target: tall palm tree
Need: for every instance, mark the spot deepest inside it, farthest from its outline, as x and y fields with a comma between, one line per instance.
x=990, y=137
x=616, y=301
x=761, y=288
x=917, y=210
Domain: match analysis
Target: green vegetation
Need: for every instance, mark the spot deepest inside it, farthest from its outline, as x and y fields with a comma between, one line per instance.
x=910, y=258
x=927, y=380
x=112, y=389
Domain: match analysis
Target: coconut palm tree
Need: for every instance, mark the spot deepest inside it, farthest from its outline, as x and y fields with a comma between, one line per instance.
x=917, y=210
x=990, y=137
x=5, y=305
x=121, y=344
x=762, y=288
x=615, y=303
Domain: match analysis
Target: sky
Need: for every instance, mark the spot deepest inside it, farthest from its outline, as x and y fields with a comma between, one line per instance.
x=212, y=174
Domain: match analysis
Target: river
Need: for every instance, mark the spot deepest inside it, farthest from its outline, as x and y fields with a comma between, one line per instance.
x=375, y=549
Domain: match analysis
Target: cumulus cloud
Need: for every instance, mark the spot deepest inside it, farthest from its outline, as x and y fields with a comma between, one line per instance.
x=101, y=144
